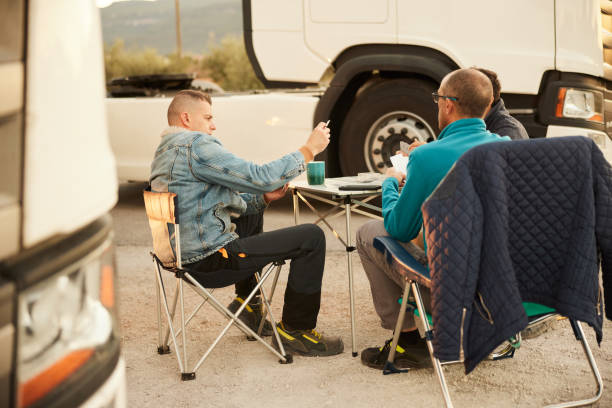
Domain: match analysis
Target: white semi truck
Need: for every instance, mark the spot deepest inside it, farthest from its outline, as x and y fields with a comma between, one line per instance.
x=370, y=68
x=59, y=341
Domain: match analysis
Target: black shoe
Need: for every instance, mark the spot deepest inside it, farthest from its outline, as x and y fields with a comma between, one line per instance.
x=251, y=316
x=406, y=356
x=308, y=342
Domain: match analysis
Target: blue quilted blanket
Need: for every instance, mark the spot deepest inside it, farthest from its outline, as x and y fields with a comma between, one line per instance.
x=527, y=221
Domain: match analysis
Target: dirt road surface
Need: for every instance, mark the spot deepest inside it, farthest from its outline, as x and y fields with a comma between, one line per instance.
x=239, y=373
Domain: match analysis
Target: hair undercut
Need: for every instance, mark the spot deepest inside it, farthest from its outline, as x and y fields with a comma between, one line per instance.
x=494, y=82
x=182, y=99
x=473, y=90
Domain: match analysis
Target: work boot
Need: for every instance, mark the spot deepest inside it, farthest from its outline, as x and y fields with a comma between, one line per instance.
x=406, y=355
x=307, y=342
x=251, y=316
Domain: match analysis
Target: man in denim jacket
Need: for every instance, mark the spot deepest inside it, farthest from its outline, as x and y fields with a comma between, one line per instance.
x=221, y=199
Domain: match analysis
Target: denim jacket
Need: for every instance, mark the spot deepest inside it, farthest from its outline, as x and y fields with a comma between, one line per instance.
x=212, y=185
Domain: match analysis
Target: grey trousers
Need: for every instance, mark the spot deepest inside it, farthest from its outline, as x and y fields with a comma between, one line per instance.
x=387, y=286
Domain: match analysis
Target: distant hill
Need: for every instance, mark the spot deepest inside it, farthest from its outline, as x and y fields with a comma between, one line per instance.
x=145, y=24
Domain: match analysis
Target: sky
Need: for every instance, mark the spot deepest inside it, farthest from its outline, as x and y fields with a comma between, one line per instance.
x=106, y=3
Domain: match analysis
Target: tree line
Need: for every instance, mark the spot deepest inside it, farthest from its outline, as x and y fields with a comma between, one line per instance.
x=226, y=64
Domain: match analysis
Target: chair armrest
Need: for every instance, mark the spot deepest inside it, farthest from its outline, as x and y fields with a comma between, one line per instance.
x=400, y=260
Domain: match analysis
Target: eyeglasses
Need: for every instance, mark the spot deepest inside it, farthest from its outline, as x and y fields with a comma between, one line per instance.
x=436, y=96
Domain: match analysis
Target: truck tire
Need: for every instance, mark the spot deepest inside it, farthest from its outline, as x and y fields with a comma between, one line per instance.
x=383, y=115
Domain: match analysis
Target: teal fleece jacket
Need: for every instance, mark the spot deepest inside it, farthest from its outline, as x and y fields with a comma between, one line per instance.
x=427, y=166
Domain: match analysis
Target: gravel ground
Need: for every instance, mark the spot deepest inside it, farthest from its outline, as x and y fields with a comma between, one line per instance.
x=550, y=368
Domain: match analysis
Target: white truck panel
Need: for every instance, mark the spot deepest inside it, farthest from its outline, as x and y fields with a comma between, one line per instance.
x=450, y=27
x=329, y=36
x=280, y=124
x=266, y=30
x=134, y=126
x=65, y=188
x=489, y=40
x=275, y=60
x=349, y=11
x=577, y=50
x=263, y=19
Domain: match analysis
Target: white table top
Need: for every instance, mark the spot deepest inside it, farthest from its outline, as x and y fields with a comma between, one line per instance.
x=332, y=185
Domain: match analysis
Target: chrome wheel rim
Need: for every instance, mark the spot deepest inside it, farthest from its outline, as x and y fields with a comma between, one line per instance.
x=384, y=137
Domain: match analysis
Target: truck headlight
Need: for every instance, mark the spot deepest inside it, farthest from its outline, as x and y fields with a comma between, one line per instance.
x=580, y=104
x=62, y=321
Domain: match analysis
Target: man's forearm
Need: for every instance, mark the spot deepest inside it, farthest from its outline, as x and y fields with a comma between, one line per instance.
x=401, y=214
x=307, y=153
x=212, y=163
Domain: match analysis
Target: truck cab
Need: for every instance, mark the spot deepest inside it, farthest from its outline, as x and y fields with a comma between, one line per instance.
x=380, y=61
x=59, y=337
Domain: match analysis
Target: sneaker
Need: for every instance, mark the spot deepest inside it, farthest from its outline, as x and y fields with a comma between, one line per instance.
x=407, y=356
x=251, y=316
x=308, y=342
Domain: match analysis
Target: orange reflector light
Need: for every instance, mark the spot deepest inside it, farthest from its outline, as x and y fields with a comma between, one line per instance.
x=40, y=385
x=596, y=118
x=107, y=289
x=560, y=101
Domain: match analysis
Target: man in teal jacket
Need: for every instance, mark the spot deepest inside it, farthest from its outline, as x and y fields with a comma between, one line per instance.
x=463, y=98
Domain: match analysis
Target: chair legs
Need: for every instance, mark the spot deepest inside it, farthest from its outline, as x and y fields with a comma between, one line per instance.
x=284, y=358
x=577, y=328
x=390, y=367
x=162, y=347
x=427, y=333
x=171, y=334
x=191, y=316
x=428, y=338
x=266, y=304
x=269, y=311
x=184, y=375
x=164, y=298
x=165, y=343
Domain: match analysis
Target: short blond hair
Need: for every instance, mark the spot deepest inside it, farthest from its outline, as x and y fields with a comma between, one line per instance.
x=183, y=99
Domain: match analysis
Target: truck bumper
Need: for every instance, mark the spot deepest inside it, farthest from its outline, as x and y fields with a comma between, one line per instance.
x=112, y=393
x=600, y=138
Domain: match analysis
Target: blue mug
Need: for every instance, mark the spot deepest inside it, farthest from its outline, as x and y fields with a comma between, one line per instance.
x=315, y=172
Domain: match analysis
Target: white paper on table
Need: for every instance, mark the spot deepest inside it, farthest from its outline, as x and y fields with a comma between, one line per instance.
x=400, y=162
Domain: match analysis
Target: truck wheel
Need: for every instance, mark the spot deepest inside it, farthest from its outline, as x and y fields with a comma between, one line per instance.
x=383, y=115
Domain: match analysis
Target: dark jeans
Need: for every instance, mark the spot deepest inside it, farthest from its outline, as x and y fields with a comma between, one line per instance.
x=304, y=245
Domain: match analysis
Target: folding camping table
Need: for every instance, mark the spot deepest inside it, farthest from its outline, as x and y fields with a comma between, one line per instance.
x=342, y=202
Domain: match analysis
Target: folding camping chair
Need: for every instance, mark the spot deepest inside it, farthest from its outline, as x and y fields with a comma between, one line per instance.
x=160, y=208
x=416, y=275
